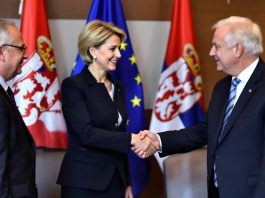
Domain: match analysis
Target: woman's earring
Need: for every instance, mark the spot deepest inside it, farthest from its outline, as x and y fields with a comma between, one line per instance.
x=94, y=58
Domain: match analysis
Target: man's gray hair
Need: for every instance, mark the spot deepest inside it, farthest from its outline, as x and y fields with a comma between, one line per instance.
x=244, y=31
x=4, y=34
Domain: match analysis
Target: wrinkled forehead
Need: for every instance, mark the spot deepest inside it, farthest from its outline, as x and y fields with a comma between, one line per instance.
x=15, y=35
x=220, y=33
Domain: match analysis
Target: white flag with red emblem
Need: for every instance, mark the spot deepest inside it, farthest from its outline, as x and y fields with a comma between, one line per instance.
x=179, y=99
x=37, y=88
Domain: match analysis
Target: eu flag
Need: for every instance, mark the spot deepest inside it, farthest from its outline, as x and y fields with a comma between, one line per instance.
x=127, y=73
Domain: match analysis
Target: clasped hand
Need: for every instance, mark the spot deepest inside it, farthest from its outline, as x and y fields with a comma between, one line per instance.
x=145, y=143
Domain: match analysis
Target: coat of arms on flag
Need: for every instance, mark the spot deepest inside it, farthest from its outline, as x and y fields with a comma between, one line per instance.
x=179, y=99
x=180, y=87
x=36, y=89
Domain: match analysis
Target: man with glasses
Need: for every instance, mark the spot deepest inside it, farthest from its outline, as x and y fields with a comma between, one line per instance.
x=17, y=147
x=22, y=48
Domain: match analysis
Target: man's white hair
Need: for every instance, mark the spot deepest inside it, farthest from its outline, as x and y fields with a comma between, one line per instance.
x=4, y=34
x=244, y=31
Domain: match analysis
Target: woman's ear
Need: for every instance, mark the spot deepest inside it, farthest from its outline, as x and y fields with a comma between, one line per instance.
x=91, y=51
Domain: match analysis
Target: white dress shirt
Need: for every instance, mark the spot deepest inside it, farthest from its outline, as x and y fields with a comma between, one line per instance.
x=3, y=83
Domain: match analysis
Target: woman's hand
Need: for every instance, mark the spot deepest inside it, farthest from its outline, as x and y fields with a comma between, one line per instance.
x=128, y=192
x=144, y=144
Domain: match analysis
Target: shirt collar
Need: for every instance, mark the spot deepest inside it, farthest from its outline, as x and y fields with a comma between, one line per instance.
x=3, y=83
x=246, y=73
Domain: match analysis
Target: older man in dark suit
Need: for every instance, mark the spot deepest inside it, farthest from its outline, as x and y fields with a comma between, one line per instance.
x=234, y=127
x=17, y=148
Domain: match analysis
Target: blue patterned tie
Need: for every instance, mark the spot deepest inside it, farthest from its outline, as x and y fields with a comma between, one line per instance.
x=228, y=111
x=230, y=103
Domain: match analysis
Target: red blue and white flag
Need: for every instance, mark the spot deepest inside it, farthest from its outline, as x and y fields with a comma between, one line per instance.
x=36, y=89
x=179, y=99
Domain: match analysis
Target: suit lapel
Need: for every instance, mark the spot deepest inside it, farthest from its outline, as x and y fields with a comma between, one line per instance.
x=17, y=114
x=220, y=106
x=246, y=95
x=100, y=89
x=8, y=99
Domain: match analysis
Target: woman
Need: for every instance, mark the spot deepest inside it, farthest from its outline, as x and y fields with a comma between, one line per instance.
x=95, y=163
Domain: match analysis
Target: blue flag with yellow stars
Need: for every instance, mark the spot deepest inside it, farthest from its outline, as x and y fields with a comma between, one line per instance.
x=127, y=73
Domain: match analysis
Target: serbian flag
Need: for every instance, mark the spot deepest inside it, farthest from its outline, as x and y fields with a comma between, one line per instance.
x=36, y=89
x=127, y=73
x=179, y=98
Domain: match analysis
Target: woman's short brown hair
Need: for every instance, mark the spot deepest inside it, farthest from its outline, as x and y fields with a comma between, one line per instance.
x=95, y=34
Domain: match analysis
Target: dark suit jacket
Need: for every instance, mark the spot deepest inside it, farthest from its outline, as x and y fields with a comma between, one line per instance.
x=97, y=145
x=17, y=152
x=240, y=154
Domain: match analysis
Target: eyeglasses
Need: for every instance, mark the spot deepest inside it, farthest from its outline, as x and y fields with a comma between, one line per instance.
x=22, y=48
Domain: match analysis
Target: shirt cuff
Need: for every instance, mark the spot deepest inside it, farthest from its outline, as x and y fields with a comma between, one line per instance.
x=160, y=143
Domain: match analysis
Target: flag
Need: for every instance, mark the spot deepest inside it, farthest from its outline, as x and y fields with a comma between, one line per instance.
x=127, y=73
x=36, y=89
x=179, y=98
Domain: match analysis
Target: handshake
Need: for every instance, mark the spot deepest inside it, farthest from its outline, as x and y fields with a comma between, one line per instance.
x=145, y=143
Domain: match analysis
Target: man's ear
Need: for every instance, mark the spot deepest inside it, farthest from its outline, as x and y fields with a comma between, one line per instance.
x=239, y=50
x=2, y=55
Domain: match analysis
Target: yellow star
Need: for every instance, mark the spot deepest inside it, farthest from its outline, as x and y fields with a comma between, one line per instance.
x=136, y=101
x=138, y=79
x=132, y=59
x=123, y=46
x=74, y=64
